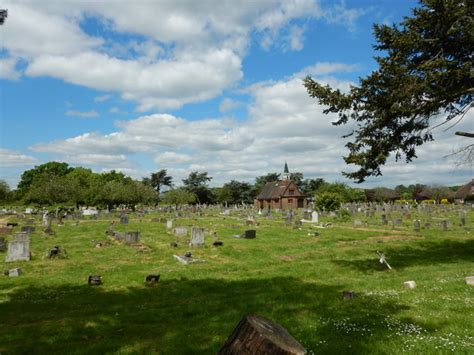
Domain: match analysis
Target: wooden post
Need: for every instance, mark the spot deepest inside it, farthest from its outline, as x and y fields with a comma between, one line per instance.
x=256, y=335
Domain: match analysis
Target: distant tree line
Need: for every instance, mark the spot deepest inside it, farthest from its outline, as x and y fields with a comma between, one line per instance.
x=56, y=183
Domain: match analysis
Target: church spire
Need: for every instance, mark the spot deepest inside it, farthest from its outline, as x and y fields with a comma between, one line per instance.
x=286, y=172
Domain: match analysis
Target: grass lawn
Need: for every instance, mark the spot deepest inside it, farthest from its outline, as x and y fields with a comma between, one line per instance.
x=284, y=274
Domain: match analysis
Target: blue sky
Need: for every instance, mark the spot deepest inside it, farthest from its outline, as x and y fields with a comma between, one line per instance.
x=192, y=85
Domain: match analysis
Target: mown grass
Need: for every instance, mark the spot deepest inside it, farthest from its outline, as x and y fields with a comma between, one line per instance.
x=284, y=274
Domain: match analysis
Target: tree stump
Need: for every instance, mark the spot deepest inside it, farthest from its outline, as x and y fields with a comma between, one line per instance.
x=257, y=335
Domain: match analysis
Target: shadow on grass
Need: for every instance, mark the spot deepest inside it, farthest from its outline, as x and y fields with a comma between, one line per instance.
x=427, y=253
x=184, y=316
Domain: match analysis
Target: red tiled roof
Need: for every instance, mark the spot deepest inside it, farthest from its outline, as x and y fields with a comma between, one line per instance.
x=278, y=189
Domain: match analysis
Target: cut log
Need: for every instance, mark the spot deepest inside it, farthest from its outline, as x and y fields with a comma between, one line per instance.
x=256, y=335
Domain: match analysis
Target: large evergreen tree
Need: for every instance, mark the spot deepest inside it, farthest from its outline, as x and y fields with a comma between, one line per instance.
x=425, y=70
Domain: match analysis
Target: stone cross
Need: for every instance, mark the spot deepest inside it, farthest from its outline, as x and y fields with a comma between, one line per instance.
x=382, y=259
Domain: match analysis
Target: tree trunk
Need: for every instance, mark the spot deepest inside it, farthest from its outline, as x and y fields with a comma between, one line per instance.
x=256, y=335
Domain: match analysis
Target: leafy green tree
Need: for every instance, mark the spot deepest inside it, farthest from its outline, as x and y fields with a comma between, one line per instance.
x=297, y=178
x=159, y=179
x=51, y=189
x=4, y=191
x=197, y=184
x=236, y=192
x=310, y=186
x=425, y=71
x=328, y=201
x=261, y=181
x=178, y=197
x=52, y=168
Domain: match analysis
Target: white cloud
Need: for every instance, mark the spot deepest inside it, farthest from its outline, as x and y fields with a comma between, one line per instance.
x=284, y=124
x=7, y=69
x=9, y=158
x=191, y=53
x=83, y=114
x=227, y=105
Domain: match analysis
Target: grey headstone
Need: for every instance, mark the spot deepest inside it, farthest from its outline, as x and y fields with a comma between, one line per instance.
x=123, y=220
x=197, y=237
x=13, y=272
x=180, y=231
x=19, y=248
x=3, y=245
x=416, y=225
x=132, y=237
x=469, y=280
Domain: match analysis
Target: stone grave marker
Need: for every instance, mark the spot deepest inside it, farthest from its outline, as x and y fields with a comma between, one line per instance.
x=358, y=223
x=348, y=295
x=197, y=237
x=132, y=237
x=153, y=278
x=409, y=284
x=314, y=217
x=19, y=248
x=416, y=225
x=94, y=280
x=462, y=221
x=250, y=234
x=13, y=272
x=123, y=219
x=257, y=335
x=469, y=280
x=180, y=231
x=28, y=229
x=444, y=225
x=169, y=224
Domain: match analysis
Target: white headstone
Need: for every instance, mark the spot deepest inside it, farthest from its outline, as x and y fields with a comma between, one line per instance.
x=410, y=284
x=169, y=224
x=470, y=280
x=314, y=217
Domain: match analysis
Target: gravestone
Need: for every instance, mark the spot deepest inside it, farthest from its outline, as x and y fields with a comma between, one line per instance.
x=132, y=237
x=444, y=225
x=197, y=237
x=416, y=225
x=180, y=231
x=314, y=217
x=154, y=278
x=462, y=221
x=307, y=215
x=348, y=295
x=94, y=280
x=409, y=284
x=56, y=252
x=187, y=259
x=28, y=229
x=257, y=335
x=384, y=220
x=169, y=224
x=250, y=234
x=19, y=248
x=358, y=223
x=469, y=280
x=3, y=245
x=123, y=219
x=13, y=272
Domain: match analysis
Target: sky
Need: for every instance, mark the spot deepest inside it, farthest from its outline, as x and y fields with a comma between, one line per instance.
x=215, y=86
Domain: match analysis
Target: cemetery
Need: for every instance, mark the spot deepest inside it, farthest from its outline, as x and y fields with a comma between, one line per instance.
x=142, y=205
x=331, y=285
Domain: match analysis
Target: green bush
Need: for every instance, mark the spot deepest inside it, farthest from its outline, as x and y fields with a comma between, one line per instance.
x=328, y=201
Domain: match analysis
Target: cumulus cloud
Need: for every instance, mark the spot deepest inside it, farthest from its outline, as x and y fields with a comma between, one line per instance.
x=191, y=54
x=8, y=70
x=9, y=158
x=284, y=124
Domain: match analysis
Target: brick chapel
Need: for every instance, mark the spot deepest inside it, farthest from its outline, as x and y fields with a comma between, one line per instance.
x=282, y=194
